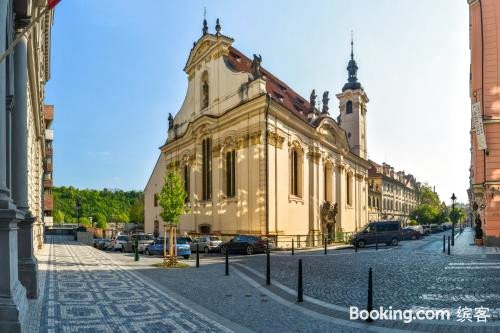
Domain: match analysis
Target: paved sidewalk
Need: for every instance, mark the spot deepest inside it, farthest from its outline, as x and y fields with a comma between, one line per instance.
x=464, y=246
x=84, y=290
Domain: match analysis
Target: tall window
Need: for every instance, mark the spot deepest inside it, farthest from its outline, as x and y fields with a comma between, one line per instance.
x=231, y=173
x=328, y=183
x=349, y=188
x=204, y=90
x=156, y=200
x=295, y=173
x=207, y=168
x=186, y=182
x=156, y=231
x=348, y=107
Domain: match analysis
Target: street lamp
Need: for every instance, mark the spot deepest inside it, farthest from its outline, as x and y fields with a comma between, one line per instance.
x=453, y=198
x=78, y=208
x=91, y=223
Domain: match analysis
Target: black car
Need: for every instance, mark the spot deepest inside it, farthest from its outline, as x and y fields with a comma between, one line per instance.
x=246, y=244
x=388, y=232
x=409, y=233
x=435, y=228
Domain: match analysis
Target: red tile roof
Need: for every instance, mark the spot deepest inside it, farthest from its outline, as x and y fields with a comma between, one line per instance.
x=278, y=90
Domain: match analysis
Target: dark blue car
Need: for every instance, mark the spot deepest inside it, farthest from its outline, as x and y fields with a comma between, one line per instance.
x=183, y=248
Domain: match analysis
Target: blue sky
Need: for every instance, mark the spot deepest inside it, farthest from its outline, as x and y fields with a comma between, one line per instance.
x=116, y=73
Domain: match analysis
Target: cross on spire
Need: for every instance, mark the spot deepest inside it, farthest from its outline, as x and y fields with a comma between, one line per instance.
x=352, y=46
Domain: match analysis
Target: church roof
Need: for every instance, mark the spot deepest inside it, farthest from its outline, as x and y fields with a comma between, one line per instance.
x=277, y=89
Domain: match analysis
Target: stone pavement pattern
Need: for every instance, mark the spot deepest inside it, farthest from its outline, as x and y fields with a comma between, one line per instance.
x=84, y=290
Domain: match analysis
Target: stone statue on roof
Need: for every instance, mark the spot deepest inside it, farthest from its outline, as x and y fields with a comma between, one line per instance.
x=257, y=60
x=312, y=100
x=170, y=121
x=325, y=103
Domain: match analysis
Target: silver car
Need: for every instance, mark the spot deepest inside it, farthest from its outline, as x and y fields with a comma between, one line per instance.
x=206, y=243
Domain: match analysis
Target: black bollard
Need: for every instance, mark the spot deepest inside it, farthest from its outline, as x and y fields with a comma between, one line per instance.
x=293, y=250
x=227, y=261
x=449, y=243
x=444, y=243
x=300, y=291
x=355, y=246
x=376, y=245
x=197, y=255
x=369, y=306
x=136, y=250
x=268, y=268
x=325, y=247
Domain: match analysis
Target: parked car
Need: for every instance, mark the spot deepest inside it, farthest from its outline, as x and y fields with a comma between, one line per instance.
x=206, y=243
x=101, y=243
x=183, y=249
x=143, y=240
x=418, y=228
x=435, y=228
x=118, y=242
x=410, y=233
x=96, y=241
x=388, y=232
x=246, y=244
x=447, y=225
x=427, y=229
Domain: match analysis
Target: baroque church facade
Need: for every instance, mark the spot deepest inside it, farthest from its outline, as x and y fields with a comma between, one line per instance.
x=256, y=157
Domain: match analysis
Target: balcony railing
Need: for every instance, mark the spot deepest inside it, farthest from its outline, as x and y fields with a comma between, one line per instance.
x=48, y=167
x=47, y=183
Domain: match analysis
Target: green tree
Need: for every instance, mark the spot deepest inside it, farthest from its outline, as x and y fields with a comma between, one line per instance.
x=136, y=211
x=101, y=221
x=58, y=216
x=171, y=200
x=85, y=221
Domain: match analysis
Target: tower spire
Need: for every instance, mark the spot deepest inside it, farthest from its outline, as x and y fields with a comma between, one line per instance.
x=352, y=70
x=352, y=46
x=205, y=25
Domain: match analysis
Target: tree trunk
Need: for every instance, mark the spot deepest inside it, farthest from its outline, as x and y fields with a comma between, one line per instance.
x=171, y=248
x=165, y=241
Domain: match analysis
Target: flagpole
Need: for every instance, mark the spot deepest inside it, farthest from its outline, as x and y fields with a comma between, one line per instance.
x=21, y=35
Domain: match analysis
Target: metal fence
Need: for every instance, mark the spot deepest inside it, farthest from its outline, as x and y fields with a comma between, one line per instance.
x=307, y=241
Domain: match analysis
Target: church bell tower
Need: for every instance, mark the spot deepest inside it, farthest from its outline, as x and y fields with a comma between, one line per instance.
x=352, y=105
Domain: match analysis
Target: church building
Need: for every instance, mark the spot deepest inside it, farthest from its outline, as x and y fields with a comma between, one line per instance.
x=256, y=157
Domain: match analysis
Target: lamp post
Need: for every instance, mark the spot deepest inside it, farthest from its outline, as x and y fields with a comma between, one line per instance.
x=453, y=198
x=78, y=208
x=91, y=222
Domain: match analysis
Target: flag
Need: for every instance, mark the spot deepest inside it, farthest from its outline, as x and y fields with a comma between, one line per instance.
x=53, y=3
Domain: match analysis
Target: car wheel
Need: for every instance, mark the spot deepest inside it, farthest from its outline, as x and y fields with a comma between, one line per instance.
x=413, y=237
x=206, y=249
x=249, y=249
x=361, y=243
x=394, y=242
x=186, y=257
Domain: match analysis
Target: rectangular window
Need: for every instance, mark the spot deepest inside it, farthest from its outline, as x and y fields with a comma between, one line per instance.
x=349, y=189
x=186, y=182
x=231, y=173
x=294, y=173
x=156, y=200
x=207, y=168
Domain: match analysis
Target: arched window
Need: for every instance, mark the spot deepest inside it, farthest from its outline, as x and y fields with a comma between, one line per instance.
x=204, y=90
x=207, y=169
x=348, y=107
x=349, y=188
x=156, y=230
x=328, y=182
x=231, y=173
x=295, y=172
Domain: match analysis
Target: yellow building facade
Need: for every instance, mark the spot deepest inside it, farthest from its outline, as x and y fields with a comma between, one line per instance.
x=256, y=157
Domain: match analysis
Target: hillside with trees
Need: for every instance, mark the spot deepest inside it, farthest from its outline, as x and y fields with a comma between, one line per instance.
x=104, y=206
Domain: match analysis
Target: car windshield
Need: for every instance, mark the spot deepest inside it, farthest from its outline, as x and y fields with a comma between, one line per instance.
x=122, y=237
x=214, y=238
x=182, y=240
x=145, y=237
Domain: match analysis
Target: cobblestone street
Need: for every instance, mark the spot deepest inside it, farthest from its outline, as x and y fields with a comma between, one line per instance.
x=83, y=290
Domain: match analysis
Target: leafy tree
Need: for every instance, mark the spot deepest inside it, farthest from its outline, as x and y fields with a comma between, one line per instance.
x=101, y=221
x=136, y=211
x=58, y=216
x=171, y=200
x=424, y=214
x=172, y=197
x=85, y=221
